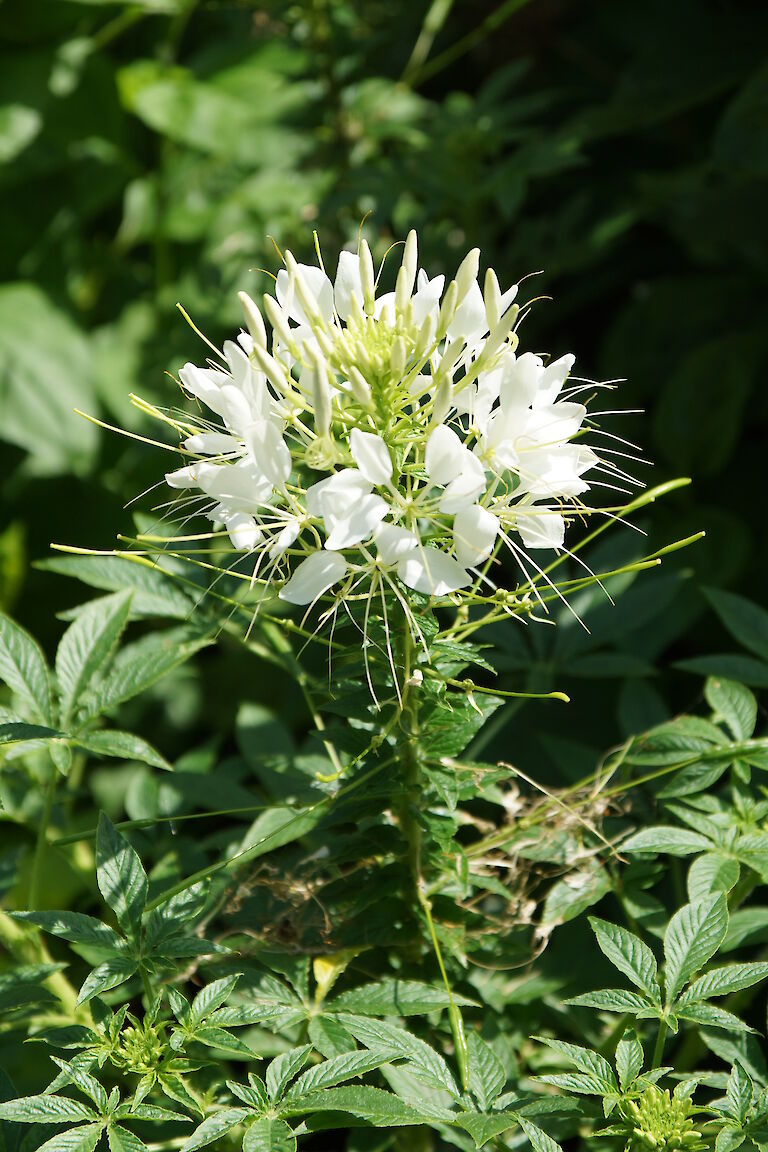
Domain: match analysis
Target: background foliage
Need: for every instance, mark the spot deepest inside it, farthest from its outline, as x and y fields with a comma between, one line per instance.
x=153, y=149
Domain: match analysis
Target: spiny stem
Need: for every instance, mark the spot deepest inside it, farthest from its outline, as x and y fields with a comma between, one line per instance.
x=42, y=840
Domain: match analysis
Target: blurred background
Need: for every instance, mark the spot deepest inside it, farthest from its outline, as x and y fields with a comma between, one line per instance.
x=156, y=151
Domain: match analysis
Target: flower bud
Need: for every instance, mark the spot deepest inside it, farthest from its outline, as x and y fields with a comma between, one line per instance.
x=277, y=319
x=303, y=295
x=447, y=309
x=321, y=395
x=253, y=319
x=367, y=277
x=467, y=273
x=359, y=387
x=398, y=357
x=406, y=276
x=492, y=298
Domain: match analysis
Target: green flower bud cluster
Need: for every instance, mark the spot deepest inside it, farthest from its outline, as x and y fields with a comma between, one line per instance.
x=660, y=1122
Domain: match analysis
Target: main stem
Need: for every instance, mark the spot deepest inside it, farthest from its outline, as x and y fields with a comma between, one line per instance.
x=410, y=827
x=42, y=840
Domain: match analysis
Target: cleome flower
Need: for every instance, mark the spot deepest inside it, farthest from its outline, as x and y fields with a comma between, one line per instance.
x=384, y=440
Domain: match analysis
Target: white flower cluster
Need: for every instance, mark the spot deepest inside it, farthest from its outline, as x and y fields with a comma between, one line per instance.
x=399, y=435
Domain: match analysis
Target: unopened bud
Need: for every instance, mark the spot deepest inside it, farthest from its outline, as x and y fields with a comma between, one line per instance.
x=253, y=319
x=442, y=402
x=277, y=319
x=406, y=276
x=467, y=272
x=398, y=356
x=426, y=337
x=321, y=396
x=299, y=288
x=447, y=309
x=367, y=277
x=492, y=298
x=500, y=332
x=273, y=369
x=450, y=357
x=359, y=387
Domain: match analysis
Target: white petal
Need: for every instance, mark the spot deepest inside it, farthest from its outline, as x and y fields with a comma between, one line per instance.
x=355, y=523
x=347, y=281
x=541, y=529
x=242, y=529
x=212, y=444
x=552, y=424
x=314, y=576
x=240, y=487
x=317, y=285
x=507, y=297
x=432, y=572
x=520, y=380
x=269, y=451
x=426, y=300
x=470, y=320
x=183, y=477
x=392, y=542
x=337, y=492
x=553, y=378
x=371, y=456
x=285, y=538
x=442, y=456
x=474, y=534
x=467, y=486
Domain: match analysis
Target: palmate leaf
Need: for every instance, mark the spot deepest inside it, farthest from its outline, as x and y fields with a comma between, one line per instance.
x=591, y=1063
x=87, y=645
x=423, y=1061
x=611, y=1000
x=140, y=665
x=211, y=997
x=110, y=974
x=483, y=1126
x=122, y=1140
x=712, y=1017
x=121, y=878
x=284, y=1067
x=693, y=935
x=335, y=1071
x=629, y=1058
x=667, y=839
x=375, y=1106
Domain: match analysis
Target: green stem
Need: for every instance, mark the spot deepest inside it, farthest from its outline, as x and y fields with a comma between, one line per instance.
x=411, y=830
x=41, y=841
x=658, y=1051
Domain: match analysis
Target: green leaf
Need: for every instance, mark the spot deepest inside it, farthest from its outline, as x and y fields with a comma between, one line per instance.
x=738, y=1093
x=154, y=592
x=330, y=1037
x=712, y=1017
x=82, y=1139
x=568, y=898
x=739, y=145
x=610, y=1000
x=733, y=704
x=693, y=935
x=107, y=975
x=46, y=1110
x=214, y=1127
x=629, y=1058
x=269, y=1135
x=121, y=878
x=393, y=997
x=123, y=746
x=121, y=1140
x=745, y=621
x=75, y=927
x=423, y=1061
x=44, y=381
x=486, y=1072
x=211, y=997
x=746, y=925
x=19, y=732
x=340, y=1068
x=590, y=1063
x=24, y=669
x=140, y=665
x=710, y=874
x=148, y=1112
x=723, y=981
x=483, y=1126
x=19, y=125
x=373, y=1105
x=629, y=954
x=539, y=1139
x=86, y=646
x=283, y=1069
x=667, y=839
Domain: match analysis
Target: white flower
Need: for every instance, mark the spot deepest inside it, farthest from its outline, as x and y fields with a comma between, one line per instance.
x=384, y=439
